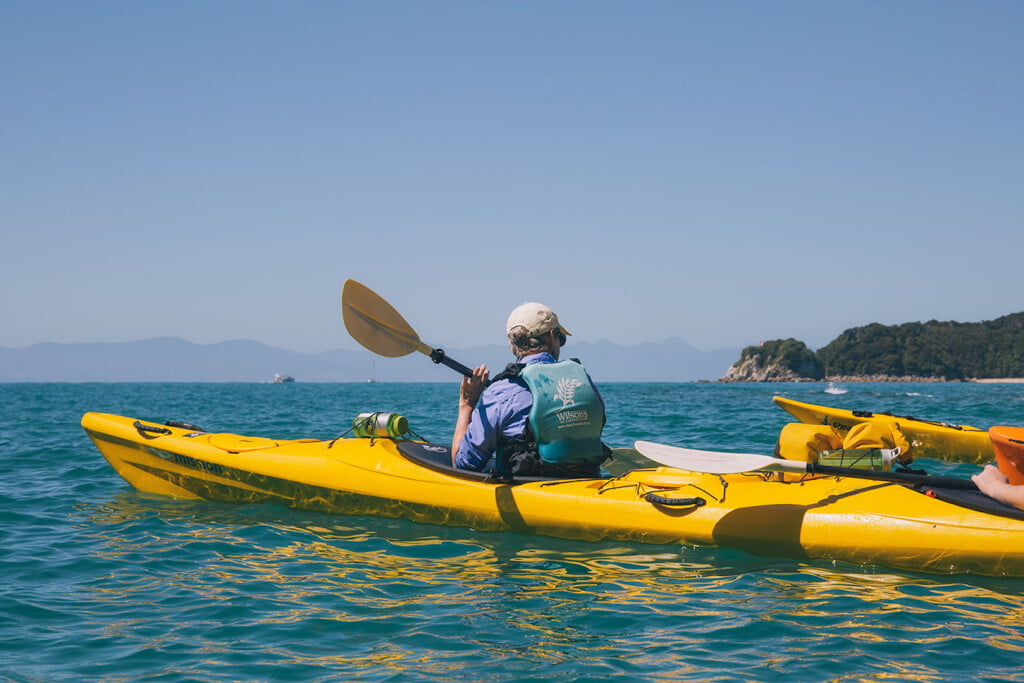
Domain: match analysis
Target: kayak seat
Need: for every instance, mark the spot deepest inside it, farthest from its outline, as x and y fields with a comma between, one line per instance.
x=439, y=458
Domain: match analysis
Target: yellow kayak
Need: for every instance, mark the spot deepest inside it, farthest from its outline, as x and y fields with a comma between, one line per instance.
x=820, y=517
x=928, y=439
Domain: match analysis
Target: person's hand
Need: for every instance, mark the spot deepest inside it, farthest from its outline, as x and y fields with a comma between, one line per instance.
x=990, y=479
x=995, y=484
x=473, y=386
x=469, y=394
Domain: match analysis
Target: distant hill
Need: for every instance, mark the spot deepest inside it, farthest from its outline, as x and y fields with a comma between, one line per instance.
x=928, y=351
x=167, y=359
x=946, y=350
x=779, y=360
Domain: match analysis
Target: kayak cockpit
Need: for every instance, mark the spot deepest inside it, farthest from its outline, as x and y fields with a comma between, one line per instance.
x=438, y=457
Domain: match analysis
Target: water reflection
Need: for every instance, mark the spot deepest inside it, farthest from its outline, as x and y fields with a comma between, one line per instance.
x=353, y=595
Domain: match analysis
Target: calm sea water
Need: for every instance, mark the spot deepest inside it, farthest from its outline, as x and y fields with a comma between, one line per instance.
x=103, y=583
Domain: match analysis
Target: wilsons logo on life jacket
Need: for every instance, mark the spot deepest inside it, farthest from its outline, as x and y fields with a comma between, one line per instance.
x=571, y=418
x=566, y=393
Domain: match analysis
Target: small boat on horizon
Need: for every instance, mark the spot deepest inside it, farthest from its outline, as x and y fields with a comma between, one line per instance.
x=281, y=379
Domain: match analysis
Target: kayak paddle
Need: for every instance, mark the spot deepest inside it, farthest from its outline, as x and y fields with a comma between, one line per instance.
x=375, y=324
x=713, y=462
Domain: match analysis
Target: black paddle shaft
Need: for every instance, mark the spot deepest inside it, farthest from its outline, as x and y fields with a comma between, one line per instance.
x=899, y=477
x=439, y=356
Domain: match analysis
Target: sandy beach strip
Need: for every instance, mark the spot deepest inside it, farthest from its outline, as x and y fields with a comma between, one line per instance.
x=1006, y=380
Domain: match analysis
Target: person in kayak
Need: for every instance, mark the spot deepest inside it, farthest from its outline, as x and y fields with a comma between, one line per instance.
x=995, y=484
x=540, y=416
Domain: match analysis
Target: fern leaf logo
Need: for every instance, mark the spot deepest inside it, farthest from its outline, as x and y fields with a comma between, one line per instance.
x=566, y=390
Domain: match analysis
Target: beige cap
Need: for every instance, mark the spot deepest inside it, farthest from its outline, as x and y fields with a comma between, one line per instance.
x=536, y=319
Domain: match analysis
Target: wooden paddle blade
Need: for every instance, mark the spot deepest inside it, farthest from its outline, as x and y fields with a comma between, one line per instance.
x=713, y=462
x=375, y=324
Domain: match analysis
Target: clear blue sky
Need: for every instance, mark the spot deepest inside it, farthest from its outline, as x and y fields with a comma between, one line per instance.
x=721, y=172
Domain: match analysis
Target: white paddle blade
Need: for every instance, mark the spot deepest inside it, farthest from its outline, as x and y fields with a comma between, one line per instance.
x=375, y=324
x=712, y=462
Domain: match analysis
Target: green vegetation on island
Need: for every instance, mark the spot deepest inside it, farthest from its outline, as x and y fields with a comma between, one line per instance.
x=779, y=360
x=933, y=350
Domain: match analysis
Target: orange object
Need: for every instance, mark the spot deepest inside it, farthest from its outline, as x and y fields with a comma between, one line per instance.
x=1008, y=444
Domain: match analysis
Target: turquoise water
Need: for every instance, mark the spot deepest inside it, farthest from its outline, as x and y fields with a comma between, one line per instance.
x=103, y=583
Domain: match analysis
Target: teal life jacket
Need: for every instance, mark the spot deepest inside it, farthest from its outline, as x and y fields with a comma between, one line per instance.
x=567, y=416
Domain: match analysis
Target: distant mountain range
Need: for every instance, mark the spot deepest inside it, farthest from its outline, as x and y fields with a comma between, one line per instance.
x=167, y=359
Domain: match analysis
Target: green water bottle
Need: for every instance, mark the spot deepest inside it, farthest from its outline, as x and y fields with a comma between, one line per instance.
x=380, y=426
x=880, y=459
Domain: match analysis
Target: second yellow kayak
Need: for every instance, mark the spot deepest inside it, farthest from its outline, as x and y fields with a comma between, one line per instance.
x=928, y=439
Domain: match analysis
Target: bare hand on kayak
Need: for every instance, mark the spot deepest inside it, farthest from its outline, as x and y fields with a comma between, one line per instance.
x=994, y=484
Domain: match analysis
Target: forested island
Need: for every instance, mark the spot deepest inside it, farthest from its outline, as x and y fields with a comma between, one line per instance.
x=931, y=351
